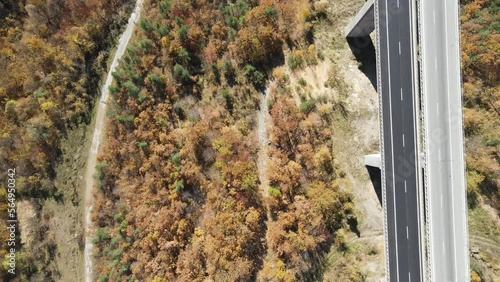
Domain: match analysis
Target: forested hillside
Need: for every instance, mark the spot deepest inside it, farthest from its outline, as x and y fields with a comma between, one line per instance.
x=179, y=195
x=480, y=43
x=481, y=77
x=52, y=54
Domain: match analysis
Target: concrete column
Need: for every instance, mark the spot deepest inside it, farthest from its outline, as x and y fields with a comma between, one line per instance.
x=363, y=23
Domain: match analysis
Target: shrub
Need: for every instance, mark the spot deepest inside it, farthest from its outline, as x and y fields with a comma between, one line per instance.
x=123, y=225
x=145, y=44
x=179, y=110
x=157, y=81
x=99, y=167
x=115, y=240
x=142, y=97
x=179, y=186
x=274, y=192
x=100, y=236
x=132, y=89
x=142, y=144
x=270, y=11
x=162, y=30
x=40, y=93
x=474, y=180
x=255, y=76
x=294, y=61
x=183, y=55
x=176, y=158
x=232, y=22
x=115, y=254
x=183, y=31
x=181, y=73
x=47, y=105
x=249, y=180
x=112, y=89
x=125, y=119
x=146, y=25
x=118, y=217
x=10, y=108
x=118, y=76
x=164, y=7
x=307, y=106
x=320, y=54
x=104, y=277
x=225, y=93
x=231, y=33
x=492, y=141
x=270, y=103
x=227, y=66
x=302, y=82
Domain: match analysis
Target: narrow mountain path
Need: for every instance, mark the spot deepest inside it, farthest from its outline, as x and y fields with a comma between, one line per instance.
x=262, y=124
x=97, y=136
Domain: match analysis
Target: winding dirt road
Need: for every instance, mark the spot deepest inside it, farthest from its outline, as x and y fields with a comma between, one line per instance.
x=96, y=139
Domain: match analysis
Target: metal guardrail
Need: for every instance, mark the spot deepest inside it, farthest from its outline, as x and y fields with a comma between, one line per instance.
x=426, y=245
x=423, y=160
x=381, y=121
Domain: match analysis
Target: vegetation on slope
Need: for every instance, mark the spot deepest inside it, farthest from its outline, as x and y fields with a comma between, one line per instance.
x=51, y=56
x=481, y=75
x=178, y=194
x=480, y=43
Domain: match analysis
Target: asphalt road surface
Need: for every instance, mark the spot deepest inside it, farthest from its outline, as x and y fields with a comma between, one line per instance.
x=399, y=147
x=444, y=141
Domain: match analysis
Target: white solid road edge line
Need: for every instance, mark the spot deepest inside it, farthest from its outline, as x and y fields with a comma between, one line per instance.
x=392, y=142
x=414, y=51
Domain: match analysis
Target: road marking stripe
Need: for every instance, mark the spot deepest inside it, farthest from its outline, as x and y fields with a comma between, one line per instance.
x=405, y=186
x=392, y=140
x=447, y=53
x=403, y=140
x=401, y=94
x=415, y=103
x=399, y=47
x=407, y=236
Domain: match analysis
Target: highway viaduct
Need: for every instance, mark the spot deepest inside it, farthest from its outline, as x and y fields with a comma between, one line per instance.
x=421, y=148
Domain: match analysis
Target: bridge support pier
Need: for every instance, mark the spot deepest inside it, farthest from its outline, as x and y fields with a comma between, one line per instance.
x=363, y=23
x=373, y=160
